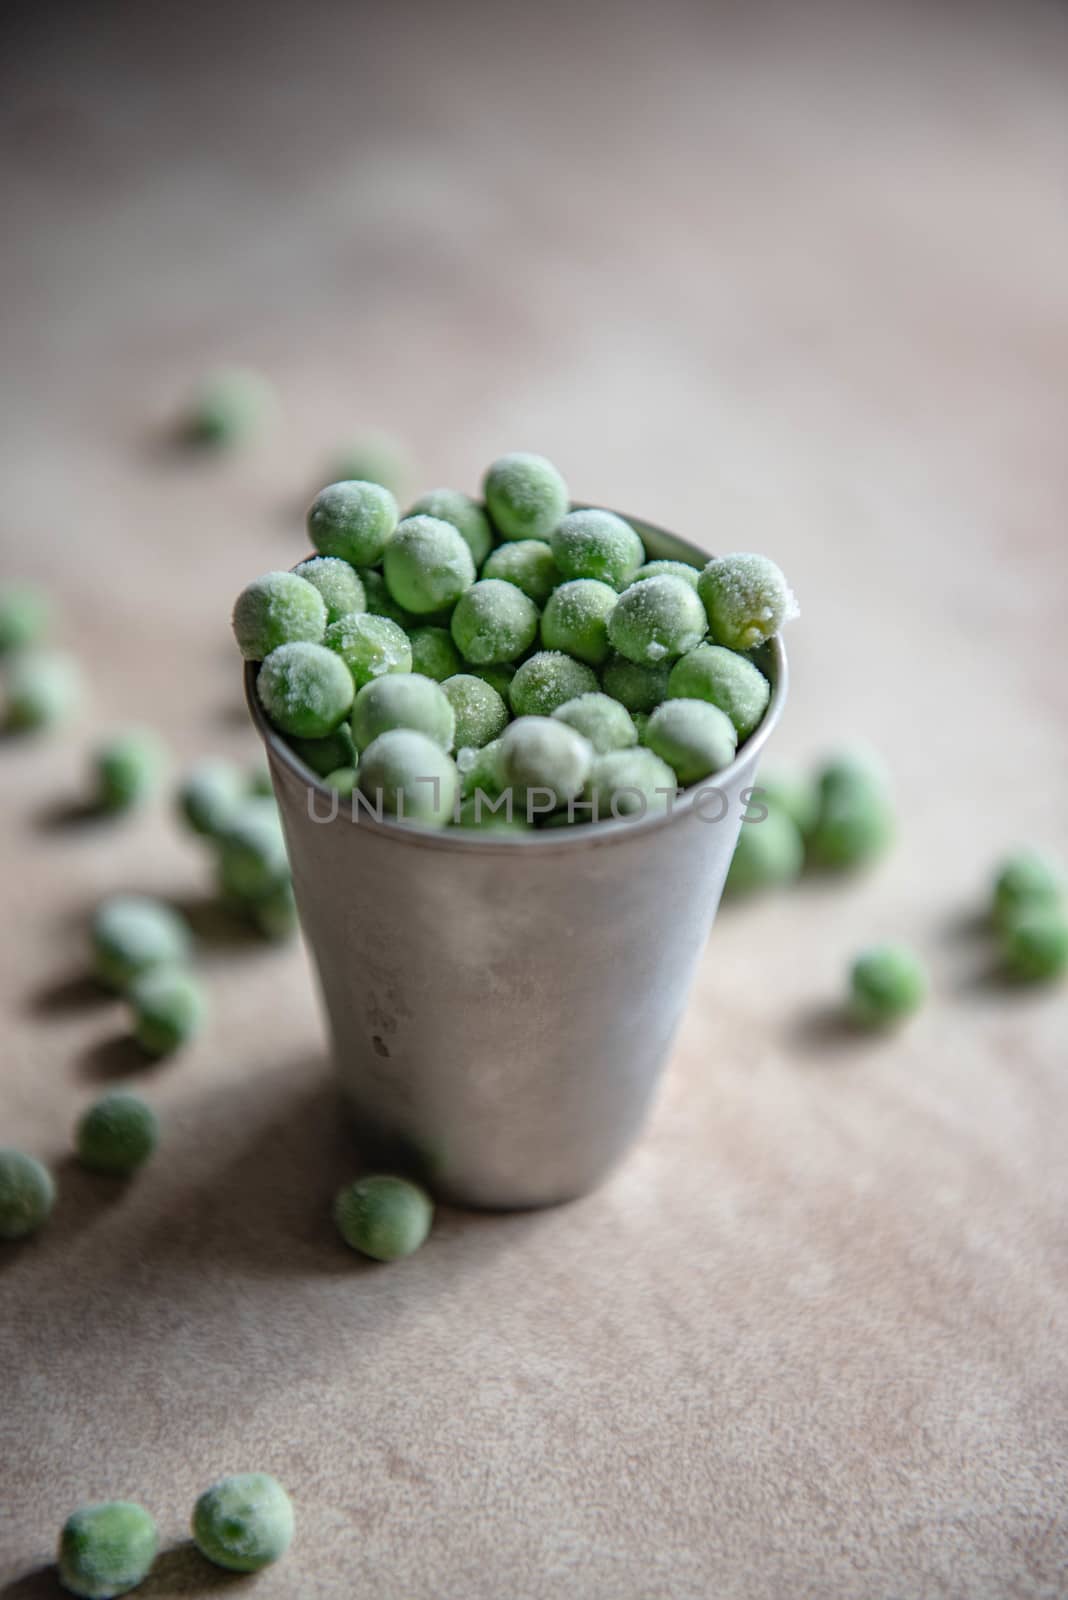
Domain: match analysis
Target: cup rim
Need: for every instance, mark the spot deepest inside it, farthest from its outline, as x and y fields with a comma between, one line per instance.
x=583, y=836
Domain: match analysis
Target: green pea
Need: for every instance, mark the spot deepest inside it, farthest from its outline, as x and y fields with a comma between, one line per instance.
x=725, y=679
x=106, y=1549
x=1034, y=944
x=494, y=622
x=209, y=795
x=27, y=1194
x=465, y=514
x=528, y=563
x=409, y=777
x=769, y=852
x=887, y=984
x=337, y=582
x=132, y=934
x=599, y=545
x=279, y=608
x=747, y=600
x=525, y=496
x=480, y=713
x=576, y=618
x=243, y=1522
x=383, y=1217
x=352, y=520
x=433, y=653
x=168, y=1009
x=403, y=700
x=370, y=646
x=24, y=616
x=43, y=689
x=693, y=737
x=547, y=680
x=1026, y=882
x=117, y=1134
x=307, y=689
x=601, y=720
x=128, y=769
x=657, y=620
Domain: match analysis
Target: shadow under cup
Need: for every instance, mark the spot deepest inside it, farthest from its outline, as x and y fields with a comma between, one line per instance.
x=501, y=1006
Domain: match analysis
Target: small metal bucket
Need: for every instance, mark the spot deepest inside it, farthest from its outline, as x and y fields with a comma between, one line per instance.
x=501, y=1008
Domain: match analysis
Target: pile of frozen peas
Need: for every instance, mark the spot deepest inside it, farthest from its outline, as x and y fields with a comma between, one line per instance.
x=433, y=661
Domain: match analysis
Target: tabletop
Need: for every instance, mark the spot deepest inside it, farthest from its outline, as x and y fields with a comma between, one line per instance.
x=788, y=279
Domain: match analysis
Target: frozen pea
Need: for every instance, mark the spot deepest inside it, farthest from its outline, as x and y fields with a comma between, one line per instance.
x=306, y=689
x=656, y=621
x=259, y=780
x=127, y=769
x=769, y=852
x=667, y=569
x=243, y=1522
x=747, y=600
x=525, y=496
x=117, y=1134
x=887, y=983
x=228, y=407
x=27, y=1194
x=274, y=915
x=406, y=775
x=639, y=688
x=131, y=934
x=383, y=1217
x=278, y=608
x=370, y=646
x=326, y=755
x=167, y=1007
x=337, y=582
x=353, y=520
x=597, y=544
x=252, y=852
x=1026, y=881
x=575, y=620
x=540, y=754
x=433, y=653
x=494, y=622
x=402, y=700
x=24, y=615
x=479, y=710
x=629, y=783
x=854, y=818
x=465, y=514
x=43, y=688
x=427, y=565
x=480, y=769
x=480, y=811
x=1034, y=943
x=380, y=603
x=724, y=679
x=601, y=720
x=694, y=738
x=373, y=458
x=790, y=793
x=529, y=564
x=209, y=795
x=498, y=677
x=106, y=1549
x=547, y=680
x=343, y=779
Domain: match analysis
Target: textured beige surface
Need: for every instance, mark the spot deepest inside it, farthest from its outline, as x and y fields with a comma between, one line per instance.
x=779, y=279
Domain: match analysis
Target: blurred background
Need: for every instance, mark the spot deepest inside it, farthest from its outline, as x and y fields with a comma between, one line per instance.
x=789, y=278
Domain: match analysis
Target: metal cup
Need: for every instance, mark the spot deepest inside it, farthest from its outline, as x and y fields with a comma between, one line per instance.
x=501, y=1007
